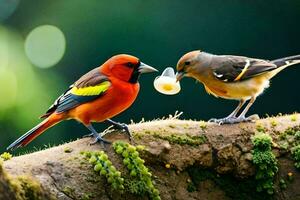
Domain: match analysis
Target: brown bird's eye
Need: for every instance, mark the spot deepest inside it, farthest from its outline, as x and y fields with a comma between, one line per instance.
x=187, y=62
x=129, y=64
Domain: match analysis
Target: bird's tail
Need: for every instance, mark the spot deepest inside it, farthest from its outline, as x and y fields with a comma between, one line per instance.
x=36, y=131
x=287, y=61
x=283, y=63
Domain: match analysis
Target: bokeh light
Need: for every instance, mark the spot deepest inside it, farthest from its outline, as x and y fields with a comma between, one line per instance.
x=45, y=46
x=24, y=94
x=3, y=48
x=8, y=82
x=8, y=79
x=7, y=8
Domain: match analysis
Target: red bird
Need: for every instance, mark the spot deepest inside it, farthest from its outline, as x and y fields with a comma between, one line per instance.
x=97, y=96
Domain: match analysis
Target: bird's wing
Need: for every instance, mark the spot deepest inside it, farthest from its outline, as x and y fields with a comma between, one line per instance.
x=88, y=88
x=238, y=68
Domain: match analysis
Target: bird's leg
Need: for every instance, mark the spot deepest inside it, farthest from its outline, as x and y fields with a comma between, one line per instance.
x=97, y=136
x=241, y=117
x=230, y=117
x=120, y=126
x=236, y=110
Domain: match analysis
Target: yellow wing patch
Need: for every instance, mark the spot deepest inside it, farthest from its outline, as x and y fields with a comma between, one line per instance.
x=91, y=90
x=243, y=71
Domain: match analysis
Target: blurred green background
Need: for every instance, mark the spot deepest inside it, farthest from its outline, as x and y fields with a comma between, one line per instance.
x=159, y=33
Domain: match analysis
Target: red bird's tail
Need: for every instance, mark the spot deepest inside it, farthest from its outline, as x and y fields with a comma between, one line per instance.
x=35, y=131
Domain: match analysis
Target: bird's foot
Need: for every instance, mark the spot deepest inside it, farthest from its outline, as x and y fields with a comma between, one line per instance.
x=226, y=120
x=88, y=135
x=232, y=120
x=123, y=127
x=101, y=140
x=98, y=138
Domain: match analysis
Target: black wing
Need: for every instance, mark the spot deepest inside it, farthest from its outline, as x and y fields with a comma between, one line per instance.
x=88, y=88
x=238, y=68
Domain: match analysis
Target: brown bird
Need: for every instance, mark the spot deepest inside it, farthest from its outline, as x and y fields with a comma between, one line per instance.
x=232, y=77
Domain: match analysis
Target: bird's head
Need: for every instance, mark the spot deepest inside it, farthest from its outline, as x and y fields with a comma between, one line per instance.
x=190, y=63
x=126, y=68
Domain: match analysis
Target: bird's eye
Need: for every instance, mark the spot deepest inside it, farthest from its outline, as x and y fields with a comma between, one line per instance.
x=187, y=62
x=129, y=64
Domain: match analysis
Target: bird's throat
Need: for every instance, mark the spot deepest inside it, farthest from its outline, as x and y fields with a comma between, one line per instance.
x=134, y=77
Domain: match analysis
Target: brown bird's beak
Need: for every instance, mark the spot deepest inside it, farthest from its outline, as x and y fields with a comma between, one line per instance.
x=143, y=68
x=179, y=76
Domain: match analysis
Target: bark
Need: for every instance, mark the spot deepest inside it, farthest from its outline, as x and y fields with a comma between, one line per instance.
x=63, y=173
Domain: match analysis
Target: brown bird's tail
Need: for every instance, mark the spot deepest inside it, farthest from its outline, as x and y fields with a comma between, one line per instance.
x=36, y=131
x=287, y=61
x=283, y=63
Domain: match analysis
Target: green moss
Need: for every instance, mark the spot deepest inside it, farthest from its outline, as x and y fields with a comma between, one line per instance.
x=26, y=188
x=260, y=128
x=265, y=163
x=282, y=184
x=289, y=138
x=284, y=145
x=140, y=183
x=67, y=175
x=103, y=166
x=191, y=187
x=274, y=123
x=233, y=188
x=293, y=117
x=136, y=187
x=137, y=136
x=292, y=130
x=69, y=191
x=68, y=149
x=296, y=156
x=282, y=136
x=6, y=156
x=182, y=140
x=1, y=169
x=87, y=196
x=262, y=141
x=297, y=135
x=22, y=187
x=172, y=126
x=203, y=125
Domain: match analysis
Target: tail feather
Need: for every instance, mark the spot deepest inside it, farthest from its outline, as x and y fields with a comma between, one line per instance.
x=287, y=61
x=34, y=132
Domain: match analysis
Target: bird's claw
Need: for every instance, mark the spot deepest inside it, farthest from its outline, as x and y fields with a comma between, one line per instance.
x=126, y=130
x=214, y=120
x=219, y=121
x=124, y=127
x=231, y=120
x=88, y=135
x=98, y=138
x=101, y=140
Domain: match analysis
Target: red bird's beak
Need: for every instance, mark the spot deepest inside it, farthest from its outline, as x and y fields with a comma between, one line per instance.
x=179, y=76
x=143, y=68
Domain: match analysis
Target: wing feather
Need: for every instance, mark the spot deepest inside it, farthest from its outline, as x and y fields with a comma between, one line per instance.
x=239, y=68
x=88, y=88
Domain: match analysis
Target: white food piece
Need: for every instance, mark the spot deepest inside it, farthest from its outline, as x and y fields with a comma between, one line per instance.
x=166, y=83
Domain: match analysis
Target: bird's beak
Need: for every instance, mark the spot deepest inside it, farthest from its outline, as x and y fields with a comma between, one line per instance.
x=179, y=76
x=143, y=68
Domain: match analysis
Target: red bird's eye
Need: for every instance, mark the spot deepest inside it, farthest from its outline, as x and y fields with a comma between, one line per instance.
x=129, y=64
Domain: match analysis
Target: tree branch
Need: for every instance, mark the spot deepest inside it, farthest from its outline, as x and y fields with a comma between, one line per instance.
x=179, y=144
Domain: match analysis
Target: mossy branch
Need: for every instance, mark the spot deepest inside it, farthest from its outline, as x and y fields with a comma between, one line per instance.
x=173, y=147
